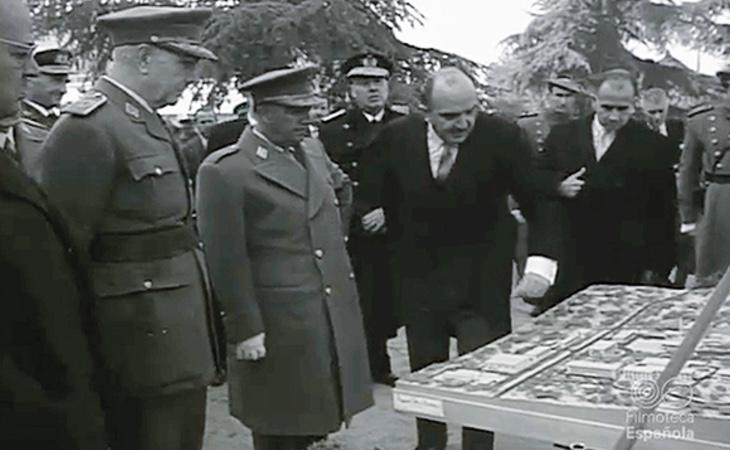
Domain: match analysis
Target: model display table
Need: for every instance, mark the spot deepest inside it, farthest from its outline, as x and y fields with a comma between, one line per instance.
x=575, y=375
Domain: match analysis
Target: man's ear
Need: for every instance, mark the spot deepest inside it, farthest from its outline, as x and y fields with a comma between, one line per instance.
x=144, y=57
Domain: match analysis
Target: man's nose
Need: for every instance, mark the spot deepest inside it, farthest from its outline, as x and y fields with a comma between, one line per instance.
x=30, y=68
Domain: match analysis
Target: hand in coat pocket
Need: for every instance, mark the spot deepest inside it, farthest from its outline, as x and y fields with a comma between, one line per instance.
x=251, y=349
x=531, y=287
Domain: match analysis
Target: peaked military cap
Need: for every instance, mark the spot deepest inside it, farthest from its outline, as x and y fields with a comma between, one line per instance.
x=567, y=83
x=287, y=86
x=368, y=64
x=53, y=61
x=15, y=26
x=172, y=28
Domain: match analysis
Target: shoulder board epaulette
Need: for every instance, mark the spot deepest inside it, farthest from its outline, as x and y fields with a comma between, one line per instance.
x=527, y=115
x=218, y=155
x=699, y=110
x=86, y=105
x=334, y=115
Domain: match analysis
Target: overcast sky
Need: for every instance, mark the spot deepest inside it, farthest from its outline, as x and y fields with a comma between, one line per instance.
x=473, y=29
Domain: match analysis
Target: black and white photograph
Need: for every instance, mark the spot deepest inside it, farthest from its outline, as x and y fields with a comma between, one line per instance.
x=364, y=224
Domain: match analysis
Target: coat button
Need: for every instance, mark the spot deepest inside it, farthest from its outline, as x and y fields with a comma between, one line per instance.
x=354, y=164
x=158, y=171
x=337, y=202
x=147, y=284
x=194, y=214
x=190, y=182
x=718, y=154
x=328, y=290
x=346, y=126
x=715, y=141
x=319, y=253
x=540, y=149
x=164, y=331
x=350, y=144
x=719, y=165
x=712, y=118
x=355, y=184
x=201, y=245
x=346, y=239
x=713, y=129
x=352, y=275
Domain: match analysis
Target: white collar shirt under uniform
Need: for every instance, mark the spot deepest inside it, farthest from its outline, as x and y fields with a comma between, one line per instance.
x=42, y=110
x=7, y=137
x=374, y=118
x=602, y=138
x=436, y=148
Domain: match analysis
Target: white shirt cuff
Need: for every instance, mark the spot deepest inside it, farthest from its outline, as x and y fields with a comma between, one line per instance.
x=542, y=266
x=687, y=228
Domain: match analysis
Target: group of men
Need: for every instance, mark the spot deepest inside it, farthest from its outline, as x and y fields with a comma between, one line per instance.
x=293, y=259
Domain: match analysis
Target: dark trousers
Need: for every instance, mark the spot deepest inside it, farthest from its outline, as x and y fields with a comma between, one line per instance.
x=428, y=333
x=270, y=442
x=165, y=422
x=375, y=288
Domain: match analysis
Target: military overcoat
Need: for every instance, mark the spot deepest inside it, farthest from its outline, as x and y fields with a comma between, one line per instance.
x=113, y=167
x=278, y=262
x=705, y=160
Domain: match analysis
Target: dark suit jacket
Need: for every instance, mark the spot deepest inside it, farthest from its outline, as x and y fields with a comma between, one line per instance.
x=675, y=131
x=622, y=222
x=46, y=364
x=453, y=243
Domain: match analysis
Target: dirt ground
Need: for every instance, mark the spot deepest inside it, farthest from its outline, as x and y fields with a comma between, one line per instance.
x=379, y=428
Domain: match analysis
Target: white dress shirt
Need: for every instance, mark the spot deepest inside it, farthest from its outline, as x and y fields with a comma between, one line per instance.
x=602, y=138
x=538, y=265
x=663, y=129
x=7, y=137
x=374, y=118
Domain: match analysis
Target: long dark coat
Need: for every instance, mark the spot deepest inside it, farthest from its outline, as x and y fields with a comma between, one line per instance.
x=115, y=170
x=345, y=138
x=622, y=222
x=453, y=244
x=279, y=266
x=48, y=390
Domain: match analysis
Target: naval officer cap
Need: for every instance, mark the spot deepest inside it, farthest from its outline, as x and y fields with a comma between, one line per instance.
x=368, y=64
x=286, y=87
x=175, y=29
x=565, y=82
x=53, y=61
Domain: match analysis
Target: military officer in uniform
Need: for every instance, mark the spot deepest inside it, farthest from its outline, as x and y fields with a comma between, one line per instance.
x=44, y=91
x=40, y=107
x=561, y=105
x=706, y=158
x=346, y=134
x=115, y=169
x=271, y=213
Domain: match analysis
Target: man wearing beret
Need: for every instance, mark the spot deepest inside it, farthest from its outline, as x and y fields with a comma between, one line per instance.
x=48, y=398
x=40, y=107
x=272, y=213
x=346, y=134
x=114, y=167
x=706, y=158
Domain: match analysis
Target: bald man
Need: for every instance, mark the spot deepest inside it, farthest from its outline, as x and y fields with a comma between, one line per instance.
x=47, y=398
x=443, y=181
x=617, y=187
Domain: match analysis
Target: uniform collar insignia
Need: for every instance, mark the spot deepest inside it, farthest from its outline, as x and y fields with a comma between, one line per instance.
x=131, y=110
x=262, y=152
